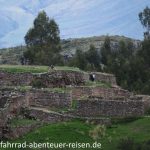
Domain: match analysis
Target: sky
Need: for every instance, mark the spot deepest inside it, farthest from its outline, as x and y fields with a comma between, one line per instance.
x=76, y=18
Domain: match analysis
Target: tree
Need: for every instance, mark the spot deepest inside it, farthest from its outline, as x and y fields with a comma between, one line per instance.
x=93, y=57
x=106, y=51
x=145, y=21
x=80, y=59
x=43, y=41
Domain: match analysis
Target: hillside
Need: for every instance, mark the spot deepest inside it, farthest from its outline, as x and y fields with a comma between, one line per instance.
x=69, y=46
x=79, y=131
x=40, y=104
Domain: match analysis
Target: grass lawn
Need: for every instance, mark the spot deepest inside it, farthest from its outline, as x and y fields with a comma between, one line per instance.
x=79, y=131
x=34, y=69
x=23, y=69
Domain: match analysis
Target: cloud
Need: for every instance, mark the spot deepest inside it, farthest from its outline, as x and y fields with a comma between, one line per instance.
x=76, y=18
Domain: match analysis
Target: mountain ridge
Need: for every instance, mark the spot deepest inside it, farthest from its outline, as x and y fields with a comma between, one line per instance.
x=69, y=47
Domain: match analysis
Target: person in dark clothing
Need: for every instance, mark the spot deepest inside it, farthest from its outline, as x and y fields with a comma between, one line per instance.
x=92, y=77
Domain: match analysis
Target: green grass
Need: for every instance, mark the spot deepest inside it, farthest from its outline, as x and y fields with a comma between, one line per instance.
x=68, y=68
x=74, y=104
x=17, y=88
x=21, y=122
x=98, y=84
x=23, y=69
x=34, y=69
x=79, y=131
x=138, y=130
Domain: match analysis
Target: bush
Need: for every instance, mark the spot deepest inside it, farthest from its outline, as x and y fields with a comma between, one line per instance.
x=98, y=132
x=129, y=144
x=37, y=83
x=74, y=104
x=126, y=144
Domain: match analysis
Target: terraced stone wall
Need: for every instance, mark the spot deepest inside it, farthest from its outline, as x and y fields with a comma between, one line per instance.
x=49, y=99
x=15, y=79
x=83, y=91
x=115, y=108
x=104, y=77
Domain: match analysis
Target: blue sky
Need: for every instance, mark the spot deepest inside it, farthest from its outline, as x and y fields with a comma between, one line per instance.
x=76, y=18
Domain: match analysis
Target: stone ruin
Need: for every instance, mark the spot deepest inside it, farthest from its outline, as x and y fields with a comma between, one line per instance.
x=63, y=95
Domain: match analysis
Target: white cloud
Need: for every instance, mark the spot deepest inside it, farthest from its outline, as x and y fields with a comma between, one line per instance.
x=75, y=17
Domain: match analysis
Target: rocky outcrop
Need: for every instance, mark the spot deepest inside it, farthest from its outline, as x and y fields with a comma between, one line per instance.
x=70, y=46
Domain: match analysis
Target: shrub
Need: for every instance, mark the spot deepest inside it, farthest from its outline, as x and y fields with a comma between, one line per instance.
x=74, y=104
x=37, y=83
x=126, y=144
x=129, y=144
x=98, y=132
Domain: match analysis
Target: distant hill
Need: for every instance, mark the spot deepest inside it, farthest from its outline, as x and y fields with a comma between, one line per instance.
x=69, y=46
x=11, y=55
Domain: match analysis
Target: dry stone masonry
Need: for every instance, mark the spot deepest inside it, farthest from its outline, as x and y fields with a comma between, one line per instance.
x=114, y=108
x=49, y=99
x=63, y=90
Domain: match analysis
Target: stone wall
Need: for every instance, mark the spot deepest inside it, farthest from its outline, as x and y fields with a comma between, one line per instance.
x=15, y=79
x=52, y=117
x=10, y=110
x=3, y=101
x=16, y=132
x=146, y=100
x=49, y=99
x=12, y=106
x=104, y=77
x=54, y=78
x=83, y=91
x=61, y=78
x=114, y=108
x=46, y=116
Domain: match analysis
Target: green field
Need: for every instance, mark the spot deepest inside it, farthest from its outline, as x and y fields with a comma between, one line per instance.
x=78, y=131
x=33, y=69
x=23, y=69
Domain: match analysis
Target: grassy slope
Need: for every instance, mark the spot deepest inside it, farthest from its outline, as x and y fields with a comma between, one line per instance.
x=79, y=131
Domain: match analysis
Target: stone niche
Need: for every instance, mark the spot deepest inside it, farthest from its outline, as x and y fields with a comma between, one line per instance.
x=3, y=101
